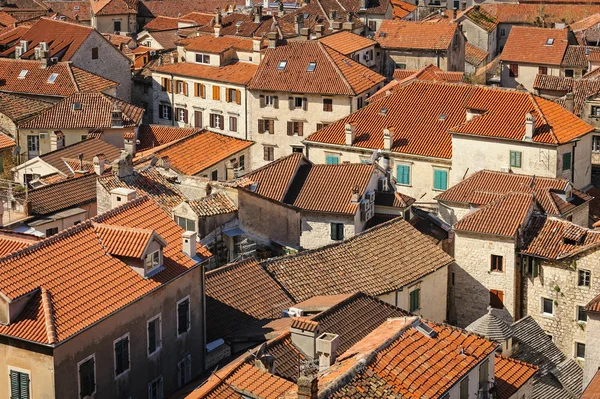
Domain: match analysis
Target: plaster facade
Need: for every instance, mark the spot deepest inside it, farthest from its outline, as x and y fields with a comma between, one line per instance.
x=526, y=74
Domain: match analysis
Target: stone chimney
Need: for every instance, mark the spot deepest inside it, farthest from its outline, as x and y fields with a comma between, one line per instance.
x=308, y=385
x=117, y=116
x=272, y=36
x=348, y=25
x=336, y=26
x=355, y=196
x=570, y=102
x=350, y=133
x=258, y=10
x=363, y=4
x=529, y=127
x=319, y=29
x=120, y=196
x=299, y=23
x=327, y=346
x=99, y=164
x=123, y=166
x=217, y=29
x=304, y=335
x=256, y=42
x=304, y=32
x=130, y=143
x=56, y=140
x=230, y=171
x=80, y=170
x=164, y=162
x=189, y=243
x=266, y=4
x=388, y=138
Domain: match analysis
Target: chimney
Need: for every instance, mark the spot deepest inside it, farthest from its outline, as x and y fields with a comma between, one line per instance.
x=304, y=335
x=164, y=162
x=529, y=127
x=56, y=140
x=319, y=30
x=336, y=26
x=217, y=29
x=249, y=3
x=308, y=384
x=272, y=36
x=120, y=196
x=24, y=45
x=266, y=4
x=299, y=23
x=99, y=164
x=258, y=10
x=26, y=207
x=123, y=166
x=570, y=102
x=117, y=116
x=305, y=32
x=363, y=4
x=130, y=143
x=218, y=18
x=350, y=133
x=80, y=157
x=472, y=113
x=189, y=243
x=281, y=12
x=348, y=25
x=229, y=171
x=256, y=42
x=355, y=197
x=327, y=346
x=332, y=15
x=454, y=12
x=388, y=138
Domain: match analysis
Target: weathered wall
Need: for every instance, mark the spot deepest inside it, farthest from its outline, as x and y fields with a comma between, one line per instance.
x=316, y=229
x=433, y=293
x=526, y=75
x=592, y=353
x=32, y=359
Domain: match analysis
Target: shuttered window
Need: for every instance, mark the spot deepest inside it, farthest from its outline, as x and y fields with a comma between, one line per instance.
x=515, y=159
x=566, y=161
x=403, y=174
x=337, y=231
x=19, y=385
x=154, y=333
x=497, y=263
x=87, y=378
x=184, y=371
x=497, y=299
x=183, y=316
x=464, y=388
x=440, y=179
x=295, y=128
x=269, y=153
x=199, y=90
x=415, y=299
x=332, y=160
x=121, y=356
x=216, y=93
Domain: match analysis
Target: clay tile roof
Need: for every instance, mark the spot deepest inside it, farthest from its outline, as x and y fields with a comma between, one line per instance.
x=273, y=180
x=167, y=39
x=18, y=109
x=341, y=267
x=415, y=35
x=124, y=241
x=198, y=18
x=531, y=14
x=214, y=204
x=333, y=74
x=156, y=135
x=475, y=55
x=585, y=23
x=305, y=324
x=96, y=112
x=491, y=327
x=553, y=83
x=529, y=45
x=9, y=36
x=66, y=194
x=162, y=23
x=217, y=45
x=69, y=79
x=511, y=375
x=346, y=43
x=176, y=8
x=577, y=56
x=75, y=11
x=237, y=72
x=113, y=7
x=6, y=19
x=401, y=8
x=84, y=283
x=592, y=391
x=482, y=18
x=502, y=217
x=89, y=148
x=63, y=38
x=240, y=294
x=194, y=153
x=11, y=242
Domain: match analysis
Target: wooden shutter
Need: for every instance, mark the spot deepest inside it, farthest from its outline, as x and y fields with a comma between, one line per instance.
x=216, y=93
x=169, y=85
x=196, y=89
x=271, y=126
x=291, y=102
x=125, y=342
x=185, y=116
x=202, y=91
x=497, y=299
x=276, y=102
x=262, y=101
x=238, y=97
x=152, y=336
x=198, y=118
x=228, y=95
x=185, y=88
x=266, y=153
x=261, y=126
x=305, y=103
x=164, y=82
x=290, y=128
x=300, y=128
x=212, y=120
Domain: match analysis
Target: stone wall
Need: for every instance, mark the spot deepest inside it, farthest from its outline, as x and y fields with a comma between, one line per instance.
x=316, y=229
x=592, y=354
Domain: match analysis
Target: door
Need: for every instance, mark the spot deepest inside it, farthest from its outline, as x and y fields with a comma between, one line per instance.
x=117, y=25
x=197, y=119
x=33, y=146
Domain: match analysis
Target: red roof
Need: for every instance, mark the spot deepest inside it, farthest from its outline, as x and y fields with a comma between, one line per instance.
x=401, y=8
x=217, y=45
x=346, y=43
x=151, y=136
x=112, y=7
x=532, y=45
x=236, y=72
x=11, y=242
x=511, y=375
x=415, y=35
x=592, y=391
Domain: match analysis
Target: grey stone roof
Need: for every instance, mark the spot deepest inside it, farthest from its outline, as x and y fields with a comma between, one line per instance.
x=491, y=327
x=557, y=377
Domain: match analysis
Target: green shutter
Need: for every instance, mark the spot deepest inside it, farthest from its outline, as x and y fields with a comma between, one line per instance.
x=415, y=300
x=183, y=317
x=331, y=160
x=440, y=179
x=515, y=159
x=333, y=231
x=152, y=336
x=403, y=172
x=15, y=387
x=566, y=161
x=536, y=267
x=24, y=385
x=125, y=353
x=340, y=233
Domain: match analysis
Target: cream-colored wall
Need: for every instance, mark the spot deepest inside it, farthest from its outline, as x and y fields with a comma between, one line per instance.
x=434, y=288
x=527, y=73
x=38, y=364
x=221, y=167
x=205, y=105
x=35, y=166
x=67, y=222
x=473, y=278
x=480, y=37
x=105, y=23
x=316, y=229
x=592, y=348
x=145, y=39
x=451, y=212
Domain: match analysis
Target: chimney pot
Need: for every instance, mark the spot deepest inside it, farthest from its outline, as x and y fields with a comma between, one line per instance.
x=189, y=243
x=121, y=195
x=272, y=36
x=327, y=346
x=529, y=127
x=350, y=133
x=570, y=102
x=388, y=139
x=99, y=164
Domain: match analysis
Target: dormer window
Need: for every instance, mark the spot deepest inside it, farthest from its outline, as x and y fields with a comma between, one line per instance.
x=550, y=41
x=282, y=65
x=52, y=78
x=311, y=67
x=77, y=106
x=152, y=261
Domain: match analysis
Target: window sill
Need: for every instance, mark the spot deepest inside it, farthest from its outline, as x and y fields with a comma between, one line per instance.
x=182, y=335
x=548, y=315
x=497, y=271
x=440, y=189
x=153, y=354
x=124, y=373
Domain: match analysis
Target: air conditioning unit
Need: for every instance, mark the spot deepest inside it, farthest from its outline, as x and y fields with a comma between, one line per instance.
x=43, y=135
x=382, y=184
x=505, y=169
x=295, y=312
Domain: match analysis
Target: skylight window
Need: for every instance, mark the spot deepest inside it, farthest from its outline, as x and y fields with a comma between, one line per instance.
x=282, y=65
x=76, y=8
x=23, y=74
x=550, y=41
x=52, y=78
x=383, y=111
x=76, y=106
x=442, y=117
x=311, y=66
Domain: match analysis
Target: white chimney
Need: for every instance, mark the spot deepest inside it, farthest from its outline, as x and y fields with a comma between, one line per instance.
x=327, y=346
x=388, y=138
x=304, y=336
x=189, y=243
x=164, y=162
x=99, y=164
x=350, y=133
x=217, y=30
x=266, y=4
x=120, y=196
x=529, y=127
x=256, y=44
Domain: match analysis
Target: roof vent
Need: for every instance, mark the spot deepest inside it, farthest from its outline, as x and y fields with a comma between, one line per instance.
x=382, y=34
x=442, y=117
x=383, y=111
x=327, y=346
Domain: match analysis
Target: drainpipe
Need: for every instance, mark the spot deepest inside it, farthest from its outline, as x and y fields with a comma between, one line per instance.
x=573, y=162
x=437, y=54
x=246, y=110
x=173, y=100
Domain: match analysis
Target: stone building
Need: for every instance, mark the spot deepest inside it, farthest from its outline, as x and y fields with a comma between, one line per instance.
x=114, y=16
x=480, y=30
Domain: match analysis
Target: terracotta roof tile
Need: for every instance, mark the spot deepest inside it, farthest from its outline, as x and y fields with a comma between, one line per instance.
x=585, y=23
x=167, y=39
x=273, y=180
x=162, y=22
x=395, y=199
x=69, y=79
x=340, y=268
x=501, y=217
x=217, y=45
x=11, y=242
x=214, y=204
x=333, y=73
x=156, y=135
x=401, y=8
x=592, y=391
x=124, y=241
x=176, y=8
x=577, y=56
x=66, y=194
x=529, y=45
x=75, y=11
x=305, y=324
x=89, y=148
x=112, y=7
x=475, y=55
x=482, y=18
x=85, y=284
x=95, y=113
x=346, y=43
x=415, y=35
x=582, y=89
x=237, y=72
x=18, y=109
x=511, y=375
x=532, y=14
x=9, y=36
x=6, y=19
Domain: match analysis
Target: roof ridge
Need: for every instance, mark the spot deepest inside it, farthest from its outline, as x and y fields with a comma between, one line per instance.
x=72, y=76
x=492, y=204
x=48, y=316
x=534, y=100
x=65, y=181
x=335, y=66
x=105, y=215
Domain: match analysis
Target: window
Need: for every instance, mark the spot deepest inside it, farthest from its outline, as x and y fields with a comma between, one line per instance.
x=327, y=104
x=359, y=102
x=270, y=100
x=19, y=385
x=322, y=125
x=202, y=59
x=214, y=175
x=84, y=137
x=464, y=388
x=580, y=350
x=484, y=375
x=497, y=299
x=497, y=263
x=569, y=73
x=595, y=113
x=94, y=53
x=33, y=143
x=121, y=347
x=337, y=231
x=440, y=179
x=403, y=173
x=550, y=41
x=269, y=153
x=181, y=87
x=547, y=307
x=233, y=96
x=87, y=377
x=198, y=122
x=584, y=278
x=199, y=90
x=242, y=162
x=154, y=334
x=281, y=66
x=531, y=266
x=332, y=159
x=155, y=389
x=596, y=142
x=266, y=126
x=298, y=102
x=298, y=149
x=186, y=224
x=165, y=84
x=295, y=128
x=543, y=70
x=513, y=71
x=216, y=93
x=311, y=67
x=373, y=25
x=152, y=261
x=415, y=299
x=232, y=124
x=581, y=315
x=183, y=316
x=117, y=26
x=52, y=231
x=184, y=371
x=182, y=115
x=515, y=159
x=401, y=66
x=216, y=121
x=502, y=32
x=52, y=78
x=566, y=165
x=165, y=112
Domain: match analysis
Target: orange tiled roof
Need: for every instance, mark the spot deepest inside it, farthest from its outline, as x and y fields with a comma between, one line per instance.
x=10, y=36
x=197, y=152
x=214, y=204
x=582, y=89
x=273, y=180
x=162, y=23
x=89, y=148
x=592, y=391
x=151, y=136
x=533, y=14
x=95, y=113
x=237, y=72
x=6, y=19
x=346, y=43
x=333, y=74
x=585, y=23
x=18, y=109
x=124, y=241
x=475, y=55
x=216, y=45
x=415, y=35
x=529, y=45
x=511, y=375
x=69, y=79
x=112, y=7
x=482, y=18
x=65, y=194
x=175, y=8
x=198, y=18
x=82, y=283
x=11, y=242
x=502, y=217
x=401, y=8
x=75, y=11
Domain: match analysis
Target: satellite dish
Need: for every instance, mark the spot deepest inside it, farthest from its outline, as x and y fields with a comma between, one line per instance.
x=261, y=350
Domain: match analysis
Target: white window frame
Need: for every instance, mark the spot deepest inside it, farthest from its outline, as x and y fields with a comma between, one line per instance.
x=595, y=143
x=236, y=124
x=126, y=335
x=151, y=254
x=24, y=371
x=160, y=393
x=180, y=114
x=189, y=327
x=165, y=112
x=270, y=100
x=92, y=356
x=589, y=285
x=543, y=312
x=187, y=372
x=159, y=337
x=577, y=314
